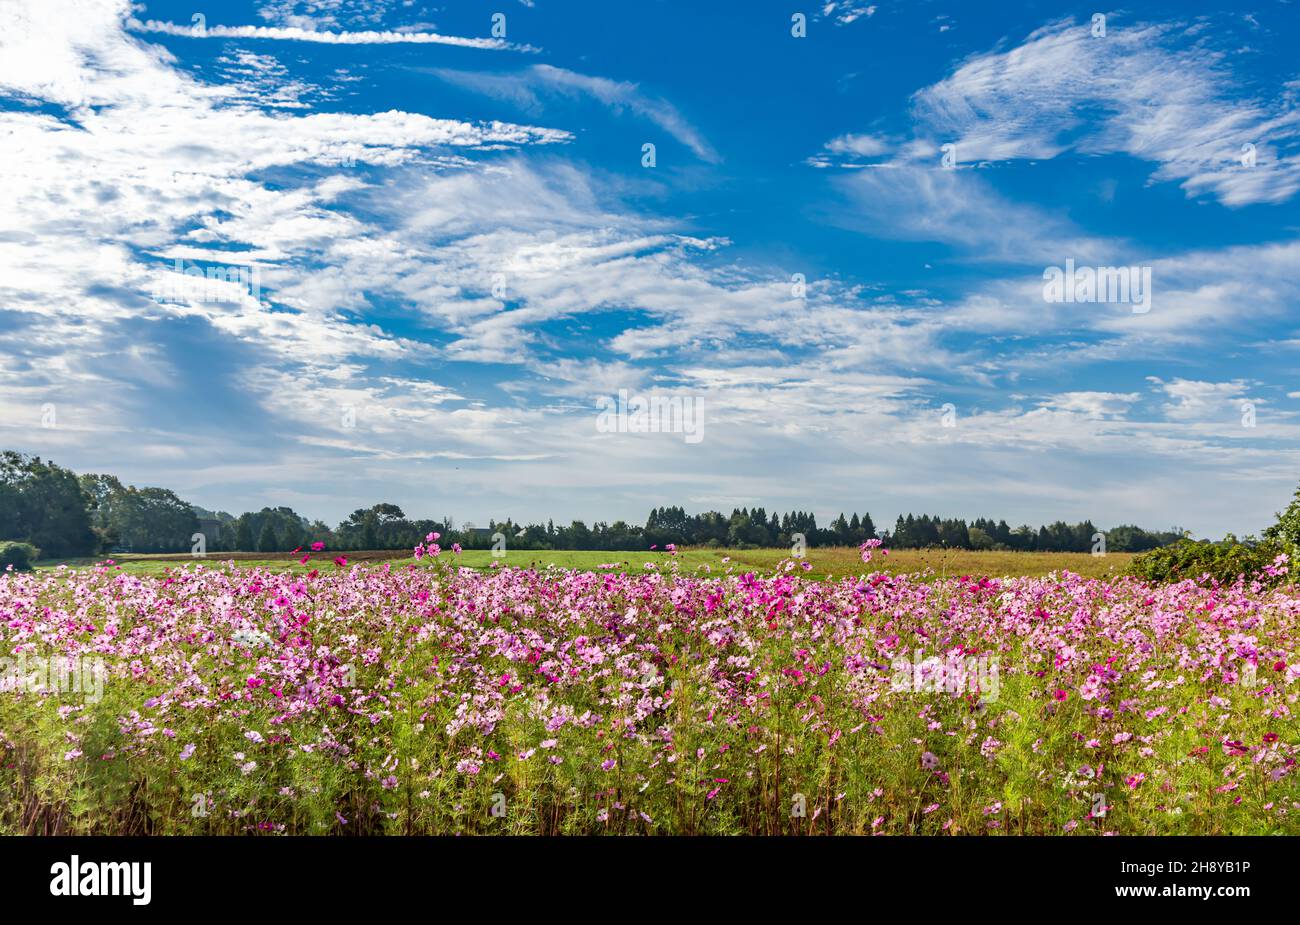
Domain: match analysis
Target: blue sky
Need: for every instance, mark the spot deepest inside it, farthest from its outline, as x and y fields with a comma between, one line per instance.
x=459, y=250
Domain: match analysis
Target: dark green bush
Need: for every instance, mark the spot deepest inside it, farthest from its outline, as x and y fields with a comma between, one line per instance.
x=19, y=555
x=1223, y=561
x=1286, y=532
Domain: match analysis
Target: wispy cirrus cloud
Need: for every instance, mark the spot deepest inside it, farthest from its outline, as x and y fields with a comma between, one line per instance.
x=913, y=202
x=529, y=88
x=1157, y=92
x=320, y=36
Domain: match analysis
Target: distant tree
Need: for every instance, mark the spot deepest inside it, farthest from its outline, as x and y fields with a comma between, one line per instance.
x=954, y=534
x=576, y=535
x=101, y=490
x=43, y=504
x=150, y=519
x=65, y=515
x=284, y=522
x=319, y=532
x=291, y=538
x=382, y=526
x=866, y=529
x=244, y=535
x=925, y=532
x=841, y=531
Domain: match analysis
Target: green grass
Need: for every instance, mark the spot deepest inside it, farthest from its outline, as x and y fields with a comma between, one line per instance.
x=827, y=562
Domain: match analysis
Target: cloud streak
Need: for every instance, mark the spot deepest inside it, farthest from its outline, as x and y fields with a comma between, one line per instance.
x=322, y=37
x=529, y=87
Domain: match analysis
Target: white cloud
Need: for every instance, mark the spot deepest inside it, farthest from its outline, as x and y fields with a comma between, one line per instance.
x=147, y=165
x=844, y=12
x=961, y=208
x=299, y=34
x=1194, y=401
x=524, y=89
x=1153, y=92
x=860, y=145
x=1093, y=405
x=327, y=14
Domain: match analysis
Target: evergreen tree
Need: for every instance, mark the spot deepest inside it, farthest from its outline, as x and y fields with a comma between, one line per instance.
x=268, y=542
x=867, y=530
x=842, y=531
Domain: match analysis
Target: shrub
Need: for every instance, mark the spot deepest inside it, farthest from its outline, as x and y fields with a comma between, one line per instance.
x=1223, y=562
x=1286, y=532
x=19, y=555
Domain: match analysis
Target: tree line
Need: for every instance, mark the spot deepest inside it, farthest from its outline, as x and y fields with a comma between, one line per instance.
x=66, y=515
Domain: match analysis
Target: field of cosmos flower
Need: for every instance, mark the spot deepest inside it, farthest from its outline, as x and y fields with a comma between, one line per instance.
x=428, y=698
